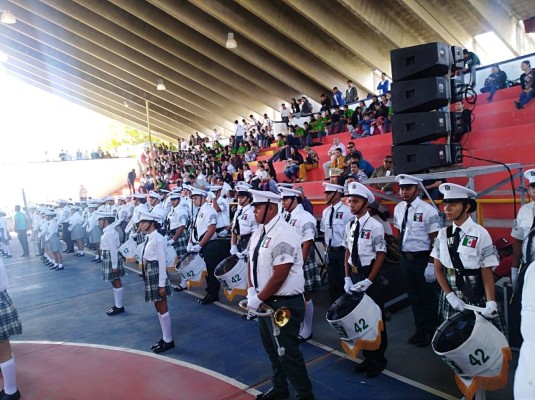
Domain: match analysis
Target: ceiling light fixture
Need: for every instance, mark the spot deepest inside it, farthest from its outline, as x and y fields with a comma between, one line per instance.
x=7, y=17
x=125, y=103
x=231, y=42
x=3, y=56
x=160, y=85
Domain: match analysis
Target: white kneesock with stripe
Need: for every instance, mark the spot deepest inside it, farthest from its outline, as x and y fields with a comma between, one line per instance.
x=10, y=376
x=306, y=325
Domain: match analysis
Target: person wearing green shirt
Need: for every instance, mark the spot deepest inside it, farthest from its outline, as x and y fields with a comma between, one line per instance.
x=241, y=149
x=319, y=129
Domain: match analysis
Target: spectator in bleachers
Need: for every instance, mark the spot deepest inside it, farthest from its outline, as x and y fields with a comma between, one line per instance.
x=380, y=119
x=351, y=149
x=325, y=102
x=363, y=128
x=267, y=123
x=466, y=121
x=296, y=107
x=384, y=86
x=526, y=83
x=347, y=113
x=293, y=162
x=337, y=122
x=306, y=107
x=285, y=114
x=351, y=93
x=252, y=152
x=495, y=81
x=471, y=62
x=505, y=255
x=337, y=165
x=331, y=153
x=354, y=172
x=294, y=120
x=382, y=171
x=238, y=133
x=301, y=134
x=247, y=173
x=317, y=129
x=363, y=164
x=353, y=124
x=371, y=106
x=338, y=98
x=311, y=162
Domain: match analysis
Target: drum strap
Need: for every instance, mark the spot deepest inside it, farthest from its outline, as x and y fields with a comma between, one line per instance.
x=462, y=280
x=236, y=227
x=522, y=272
x=142, y=259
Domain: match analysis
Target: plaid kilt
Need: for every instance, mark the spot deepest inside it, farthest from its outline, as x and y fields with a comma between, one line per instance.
x=107, y=270
x=151, y=279
x=445, y=310
x=141, y=237
x=181, y=244
x=311, y=272
x=9, y=317
x=54, y=245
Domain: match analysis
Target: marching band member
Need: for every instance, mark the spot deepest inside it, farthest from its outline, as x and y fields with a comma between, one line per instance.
x=203, y=240
x=130, y=206
x=112, y=263
x=52, y=242
x=133, y=225
x=221, y=207
x=9, y=326
x=43, y=227
x=76, y=230
x=275, y=277
x=464, y=258
x=166, y=204
x=178, y=220
x=37, y=220
x=154, y=271
x=418, y=224
x=304, y=224
x=94, y=233
x=365, y=253
x=333, y=223
x=155, y=201
x=122, y=217
x=63, y=221
x=4, y=236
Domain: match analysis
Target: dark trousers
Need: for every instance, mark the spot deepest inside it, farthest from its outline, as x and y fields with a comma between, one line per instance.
x=131, y=186
x=23, y=239
x=213, y=253
x=336, y=272
x=375, y=291
x=66, y=236
x=422, y=295
x=291, y=366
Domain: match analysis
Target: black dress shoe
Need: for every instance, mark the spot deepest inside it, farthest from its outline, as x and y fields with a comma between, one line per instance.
x=209, y=299
x=14, y=396
x=375, y=369
x=180, y=289
x=274, y=394
x=301, y=339
x=362, y=367
x=98, y=261
x=69, y=252
x=115, y=310
x=159, y=343
x=164, y=346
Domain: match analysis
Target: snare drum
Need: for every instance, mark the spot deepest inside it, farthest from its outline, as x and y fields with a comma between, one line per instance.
x=192, y=269
x=232, y=273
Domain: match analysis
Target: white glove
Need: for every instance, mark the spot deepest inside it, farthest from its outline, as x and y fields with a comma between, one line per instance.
x=233, y=249
x=491, y=310
x=189, y=247
x=133, y=235
x=210, y=196
x=241, y=255
x=347, y=284
x=170, y=242
x=429, y=273
x=456, y=303
x=196, y=248
x=223, y=233
x=514, y=275
x=253, y=302
x=361, y=286
x=251, y=292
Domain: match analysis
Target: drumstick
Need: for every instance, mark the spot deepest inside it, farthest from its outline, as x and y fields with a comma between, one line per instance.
x=474, y=308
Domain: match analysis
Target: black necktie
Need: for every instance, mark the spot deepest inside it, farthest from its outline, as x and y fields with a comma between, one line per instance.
x=530, y=241
x=331, y=216
x=355, y=259
x=255, y=258
x=403, y=226
x=288, y=217
x=236, y=229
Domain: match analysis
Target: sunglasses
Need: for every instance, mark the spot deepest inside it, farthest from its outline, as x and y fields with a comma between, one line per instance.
x=388, y=161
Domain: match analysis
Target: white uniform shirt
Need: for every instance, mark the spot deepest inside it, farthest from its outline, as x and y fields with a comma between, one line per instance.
x=371, y=239
x=3, y=227
x=334, y=234
x=280, y=245
x=43, y=228
x=52, y=229
x=130, y=209
x=75, y=219
x=303, y=222
x=64, y=215
x=154, y=250
x=245, y=217
x=122, y=214
x=223, y=217
x=421, y=221
x=475, y=248
x=205, y=217
x=177, y=217
x=4, y=282
x=110, y=241
x=522, y=226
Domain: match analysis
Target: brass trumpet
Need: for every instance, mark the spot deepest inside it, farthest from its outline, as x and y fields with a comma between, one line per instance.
x=279, y=319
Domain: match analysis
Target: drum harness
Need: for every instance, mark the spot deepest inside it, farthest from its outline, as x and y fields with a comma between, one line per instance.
x=472, y=292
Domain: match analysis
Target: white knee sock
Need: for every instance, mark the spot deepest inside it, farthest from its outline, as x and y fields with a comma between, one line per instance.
x=306, y=326
x=118, y=297
x=165, y=323
x=480, y=395
x=10, y=376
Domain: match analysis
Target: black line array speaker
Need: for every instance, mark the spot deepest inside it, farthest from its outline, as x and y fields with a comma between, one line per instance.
x=412, y=158
x=424, y=126
x=420, y=94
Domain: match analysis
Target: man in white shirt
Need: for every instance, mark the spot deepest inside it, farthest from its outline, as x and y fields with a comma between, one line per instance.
x=285, y=114
x=238, y=134
x=332, y=153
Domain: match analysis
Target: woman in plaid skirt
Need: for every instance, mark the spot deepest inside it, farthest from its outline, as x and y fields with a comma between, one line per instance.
x=469, y=246
x=178, y=220
x=155, y=276
x=112, y=262
x=9, y=326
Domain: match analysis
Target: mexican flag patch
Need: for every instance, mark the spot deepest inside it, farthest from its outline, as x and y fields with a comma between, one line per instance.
x=366, y=234
x=470, y=241
x=265, y=242
x=418, y=217
x=339, y=215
